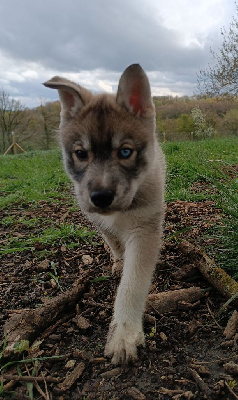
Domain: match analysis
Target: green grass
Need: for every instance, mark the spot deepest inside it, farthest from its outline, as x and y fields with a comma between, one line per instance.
x=29, y=178
x=68, y=235
x=35, y=176
x=211, y=163
x=192, y=162
x=32, y=177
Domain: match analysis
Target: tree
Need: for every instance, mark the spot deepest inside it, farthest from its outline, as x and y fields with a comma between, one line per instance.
x=231, y=121
x=222, y=77
x=185, y=123
x=50, y=121
x=11, y=111
x=201, y=128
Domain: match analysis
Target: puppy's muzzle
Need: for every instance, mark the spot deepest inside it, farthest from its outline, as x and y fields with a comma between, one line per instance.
x=102, y=198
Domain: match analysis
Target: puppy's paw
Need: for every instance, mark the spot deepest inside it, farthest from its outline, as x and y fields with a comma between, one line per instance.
x=117, y=266
x=122, y=342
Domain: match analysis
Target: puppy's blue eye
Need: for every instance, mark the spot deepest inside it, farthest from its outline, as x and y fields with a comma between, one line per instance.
x=125, y=153
x=82, y=155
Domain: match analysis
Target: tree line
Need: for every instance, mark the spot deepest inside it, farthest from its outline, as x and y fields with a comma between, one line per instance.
x=34, y=129
x=177, y=117
x=213, y=112
x=203, y=116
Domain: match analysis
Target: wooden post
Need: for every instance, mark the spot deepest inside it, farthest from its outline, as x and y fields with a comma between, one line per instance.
x=192, y=136
x=14, y=145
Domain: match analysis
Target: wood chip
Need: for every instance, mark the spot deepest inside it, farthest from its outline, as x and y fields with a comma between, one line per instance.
x=113, y=372
x=201, y=384
x=232, y=326
x=87, y=259
x=70, y=364
x=81, y=322
x=72, y=377
x=43, y=265
x=201, y=369
x=231, y=368
x=163, y=336
x=135, y=393
x=177, y=393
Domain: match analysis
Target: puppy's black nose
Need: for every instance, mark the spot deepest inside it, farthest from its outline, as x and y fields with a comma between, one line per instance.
x=102, y=198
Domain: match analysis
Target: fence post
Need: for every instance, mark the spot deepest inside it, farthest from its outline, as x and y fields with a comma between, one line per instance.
x=14, y=145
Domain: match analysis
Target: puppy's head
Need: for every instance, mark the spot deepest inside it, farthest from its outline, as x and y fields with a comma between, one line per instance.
x=107, y=141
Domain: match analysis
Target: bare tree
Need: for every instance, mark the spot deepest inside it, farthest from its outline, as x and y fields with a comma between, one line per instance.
x=50, y=120
x=10, y=116
x=222, y=77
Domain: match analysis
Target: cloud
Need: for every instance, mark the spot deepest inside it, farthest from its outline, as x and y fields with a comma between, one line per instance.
x=93, y=41
x=87, y=35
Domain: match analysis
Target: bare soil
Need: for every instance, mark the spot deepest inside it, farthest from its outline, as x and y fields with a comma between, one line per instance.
x=186, y=352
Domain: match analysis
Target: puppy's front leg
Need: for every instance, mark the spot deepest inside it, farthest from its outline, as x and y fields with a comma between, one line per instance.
x=126, y=331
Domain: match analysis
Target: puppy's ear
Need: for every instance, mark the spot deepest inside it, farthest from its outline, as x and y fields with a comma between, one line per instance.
x=134, y=92
x=72, y=96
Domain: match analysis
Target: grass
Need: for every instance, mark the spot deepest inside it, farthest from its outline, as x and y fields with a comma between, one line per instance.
x=29, y=178
x=68, y=235
x=193, y=162
x=210, y=163
x=226, y=234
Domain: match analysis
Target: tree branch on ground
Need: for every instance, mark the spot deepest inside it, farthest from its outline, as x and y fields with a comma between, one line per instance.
x=225, y=285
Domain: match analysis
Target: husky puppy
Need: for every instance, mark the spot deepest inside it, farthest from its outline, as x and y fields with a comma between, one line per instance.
x=112, y=156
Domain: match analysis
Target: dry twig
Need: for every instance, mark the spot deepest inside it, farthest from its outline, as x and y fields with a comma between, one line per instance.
x=201, y=384
x=232, y=326
x=29, y=378
x=227, y=286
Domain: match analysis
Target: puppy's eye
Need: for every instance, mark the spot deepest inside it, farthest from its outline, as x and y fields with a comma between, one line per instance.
x=82, y=155
x=125, y=153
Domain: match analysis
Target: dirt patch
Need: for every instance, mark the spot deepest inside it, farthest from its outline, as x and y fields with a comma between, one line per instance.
x=186, y=352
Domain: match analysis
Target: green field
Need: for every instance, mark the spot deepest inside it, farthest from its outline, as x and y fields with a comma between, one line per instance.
x=39, y=176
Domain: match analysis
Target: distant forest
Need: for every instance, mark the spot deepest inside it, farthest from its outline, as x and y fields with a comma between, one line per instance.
x=177, y=118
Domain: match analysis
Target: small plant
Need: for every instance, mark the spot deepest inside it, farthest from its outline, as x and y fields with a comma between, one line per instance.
x=55, y=275
x=100, y=278
x=20, y=347
x=153, y=332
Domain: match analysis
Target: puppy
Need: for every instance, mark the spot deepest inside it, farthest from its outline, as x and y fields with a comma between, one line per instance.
x=112, y=156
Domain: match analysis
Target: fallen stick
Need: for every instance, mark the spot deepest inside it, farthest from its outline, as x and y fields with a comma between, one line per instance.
x=201, y=384
x=169, y=301
x=10, y=377
x=227, y=286
x=232, y=326
x=72, y=377
x=29, y=324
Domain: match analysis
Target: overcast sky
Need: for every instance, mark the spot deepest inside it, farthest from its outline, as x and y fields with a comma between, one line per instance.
x=93, y=41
